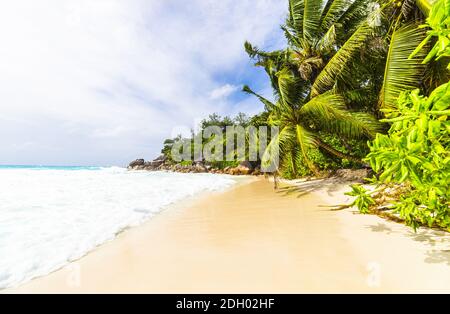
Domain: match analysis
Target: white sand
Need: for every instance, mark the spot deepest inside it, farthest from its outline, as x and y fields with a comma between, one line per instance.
x=252, y=239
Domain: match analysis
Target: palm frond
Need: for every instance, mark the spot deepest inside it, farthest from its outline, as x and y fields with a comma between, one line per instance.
x=291, y=38
x=353, y=16
x=425, y=6
x=311, y=18
x=278, y=146
x=326, y=7
x=295, y=18
x=401, y=72
x=329, y=112
x=272, y=68
x=306, y=140
x=336, y=67
x=268, y=105
x=255, y=53
x=408, y=6
x=328, y=40
x=335, y=11
x=291, y=88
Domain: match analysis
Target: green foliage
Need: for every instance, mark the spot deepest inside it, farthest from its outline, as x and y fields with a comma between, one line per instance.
x=241, y=119
x=324, y=161
x=363, y=200
x=416, y=151
x=402, y=72
x=310, y=79
x=439, y=24
x=224, y=164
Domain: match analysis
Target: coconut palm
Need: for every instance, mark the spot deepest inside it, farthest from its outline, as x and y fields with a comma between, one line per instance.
x=322, y=67
x=306, y=77
x=322, y=39
x=300, y=121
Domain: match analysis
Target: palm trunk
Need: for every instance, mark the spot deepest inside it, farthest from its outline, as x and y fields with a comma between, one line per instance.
x=337, y=153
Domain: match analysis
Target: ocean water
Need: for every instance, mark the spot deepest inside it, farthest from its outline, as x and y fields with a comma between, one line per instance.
x=50, y=216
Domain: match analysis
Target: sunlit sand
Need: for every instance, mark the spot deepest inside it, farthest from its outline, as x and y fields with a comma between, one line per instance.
x=253, y=239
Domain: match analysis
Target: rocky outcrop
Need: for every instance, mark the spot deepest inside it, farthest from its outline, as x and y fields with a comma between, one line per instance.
x=161, y=164
x=244, y=168
x=136, y=163
x=141, y=164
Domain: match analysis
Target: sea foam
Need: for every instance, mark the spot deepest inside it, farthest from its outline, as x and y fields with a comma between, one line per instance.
x=49, y=217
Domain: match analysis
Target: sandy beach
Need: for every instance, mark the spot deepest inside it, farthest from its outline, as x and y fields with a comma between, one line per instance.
x=251, y=239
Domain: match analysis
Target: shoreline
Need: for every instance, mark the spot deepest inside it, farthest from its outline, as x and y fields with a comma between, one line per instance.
x=252, y=239
x=238, y=181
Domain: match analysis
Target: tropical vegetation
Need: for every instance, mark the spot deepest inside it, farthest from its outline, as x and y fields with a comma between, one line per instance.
x=413, y=158
x=363, y=83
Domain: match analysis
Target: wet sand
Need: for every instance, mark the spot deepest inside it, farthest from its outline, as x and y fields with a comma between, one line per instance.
x=251, y=239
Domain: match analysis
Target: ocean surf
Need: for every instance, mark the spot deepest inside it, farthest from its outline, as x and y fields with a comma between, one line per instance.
x=50, y=216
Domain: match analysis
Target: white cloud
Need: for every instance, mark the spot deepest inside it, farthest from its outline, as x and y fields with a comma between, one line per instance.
x=104, y=81
x=223, y=91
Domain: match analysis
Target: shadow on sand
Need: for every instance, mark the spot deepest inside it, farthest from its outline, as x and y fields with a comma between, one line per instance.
x=302, y=188
x=437, y=242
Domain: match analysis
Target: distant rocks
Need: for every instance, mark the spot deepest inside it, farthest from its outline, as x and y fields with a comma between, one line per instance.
x=137, y=163
x=244, y=168
x=161, y=164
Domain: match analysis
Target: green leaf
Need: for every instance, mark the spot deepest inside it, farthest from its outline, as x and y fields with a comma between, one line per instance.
x=268, y=104
x=329, y=111
x=334, y=13
x=337, y=66
x=311, y=18
x=401, y=72
x=295, y=20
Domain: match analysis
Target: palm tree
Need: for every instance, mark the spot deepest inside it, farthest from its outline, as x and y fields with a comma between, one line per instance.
x=300, y=122
x=402, y=70
x=343, y=54
x=308, y=76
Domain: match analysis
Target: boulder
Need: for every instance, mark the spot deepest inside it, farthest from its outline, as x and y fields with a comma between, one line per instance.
x=246, y=164
x=244, y=168
x=156, y=164
x=199, y=168
x=161, y=158
x=137, y=162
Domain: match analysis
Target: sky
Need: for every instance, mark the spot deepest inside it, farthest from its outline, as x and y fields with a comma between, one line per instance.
x=103, y=82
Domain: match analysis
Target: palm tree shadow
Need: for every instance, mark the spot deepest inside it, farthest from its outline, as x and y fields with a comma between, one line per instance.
x=436, y=242
x=306, y=187
x=380, y=227
x=438, y=257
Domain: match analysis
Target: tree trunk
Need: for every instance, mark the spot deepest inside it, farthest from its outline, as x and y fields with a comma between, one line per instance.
x=337, y=153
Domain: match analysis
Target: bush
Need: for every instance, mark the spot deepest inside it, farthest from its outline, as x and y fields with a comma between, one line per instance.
x=416, y=153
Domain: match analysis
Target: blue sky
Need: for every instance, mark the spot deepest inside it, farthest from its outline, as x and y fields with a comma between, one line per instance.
x=101, y=82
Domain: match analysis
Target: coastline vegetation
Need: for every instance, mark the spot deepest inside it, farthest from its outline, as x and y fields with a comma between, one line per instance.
x=362, y=84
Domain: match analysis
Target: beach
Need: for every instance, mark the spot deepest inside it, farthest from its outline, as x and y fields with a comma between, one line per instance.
x=253, y=239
